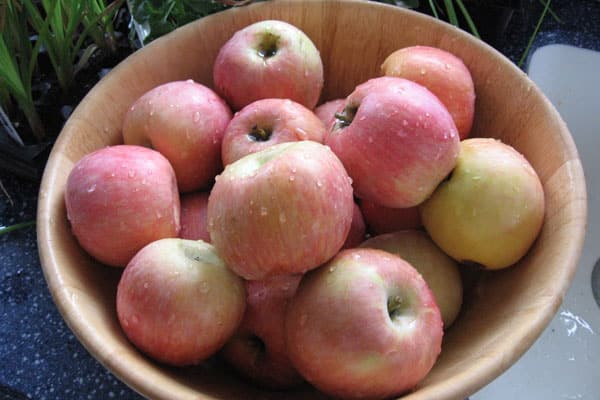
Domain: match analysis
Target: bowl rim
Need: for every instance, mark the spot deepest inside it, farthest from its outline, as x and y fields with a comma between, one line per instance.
x=470, y=380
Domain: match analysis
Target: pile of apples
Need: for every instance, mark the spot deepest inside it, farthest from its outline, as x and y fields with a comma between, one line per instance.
x=303, y=242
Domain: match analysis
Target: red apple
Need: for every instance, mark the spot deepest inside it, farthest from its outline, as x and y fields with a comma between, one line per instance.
x=490, y=210
x=444, y=74
x=283, y=210
x=396, y=140
x=178, y=302
x=269, y=59
x=266, y=122
x=119, y=199
x=184, y=121
x=380, y=219
x=194, y=222
x=358, y=229
x=326, y=111
x=257, y=350
x=437, y=268
x=363, y=326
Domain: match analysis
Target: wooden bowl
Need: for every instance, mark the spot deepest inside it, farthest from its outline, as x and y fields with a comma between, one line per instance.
x=504, y=312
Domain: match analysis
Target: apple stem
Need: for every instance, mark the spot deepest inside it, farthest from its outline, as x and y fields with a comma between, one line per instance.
x=345, y=117
x=259, y=134
x=268, y=45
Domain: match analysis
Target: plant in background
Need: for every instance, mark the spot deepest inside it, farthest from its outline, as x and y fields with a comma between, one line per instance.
x=158, y=17
x=61, y=28
x=18, y=58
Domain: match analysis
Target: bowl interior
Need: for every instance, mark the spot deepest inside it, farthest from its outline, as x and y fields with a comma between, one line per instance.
x=504, y=311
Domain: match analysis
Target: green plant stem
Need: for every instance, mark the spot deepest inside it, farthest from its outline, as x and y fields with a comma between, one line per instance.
x=467, y=16
x=11, y=228
x=535, y=32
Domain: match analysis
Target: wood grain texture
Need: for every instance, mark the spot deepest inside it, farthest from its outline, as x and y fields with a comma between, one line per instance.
x=505, y=311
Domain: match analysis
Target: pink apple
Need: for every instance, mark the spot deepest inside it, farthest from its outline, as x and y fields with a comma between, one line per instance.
x=194, y=222
x=119, y=199
x=396, y=140
x=184, y=121
x=437, y=268
x=380, y=219
x=178, y=302
x=363, y=326
x=490, y=210
x=257, y=350
x=266, y=122
x=326, y=111
x=269, y=59
x=358, y=229
x=444, y=74
x=283, y=210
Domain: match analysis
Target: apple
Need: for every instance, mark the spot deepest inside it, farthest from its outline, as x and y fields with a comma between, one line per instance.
x=363, y=326
x=444, y=74
x=439, y=270
x=380, y=219
x=269, y=59
x=194, y=222
x=396, y=140
x=283, y=210
x=178, y=302
x=490, y=210
x=119, y=199
x=266, y=122
x=358, y=229
x=185, y=121
x=326, y=111
x=257, y=350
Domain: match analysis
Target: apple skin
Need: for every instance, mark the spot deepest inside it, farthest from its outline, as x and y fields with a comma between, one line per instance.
x=340, y=334
x=326, y=111
x=119, y=199
x=194, y=221
x=380, y=219
x=396, y=140
x=185, y=121
x=269, y=59
x=257, y=350
x=178, y=302
x=439, y=270
x=283, y=210
x=358, y=229
x=444, y=74
x=491, y=209
x=266, y=122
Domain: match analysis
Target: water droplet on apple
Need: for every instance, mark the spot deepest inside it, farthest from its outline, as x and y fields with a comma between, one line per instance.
x=423, y=71
x=91, y=188
x=151, y=113
x=263, y=211
x=447, y=66
x=404, y=122
x=204, y=287
x=331, y=269
x=292, y=178
x=146, y=285
x=319, y=184
x=196, y=117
